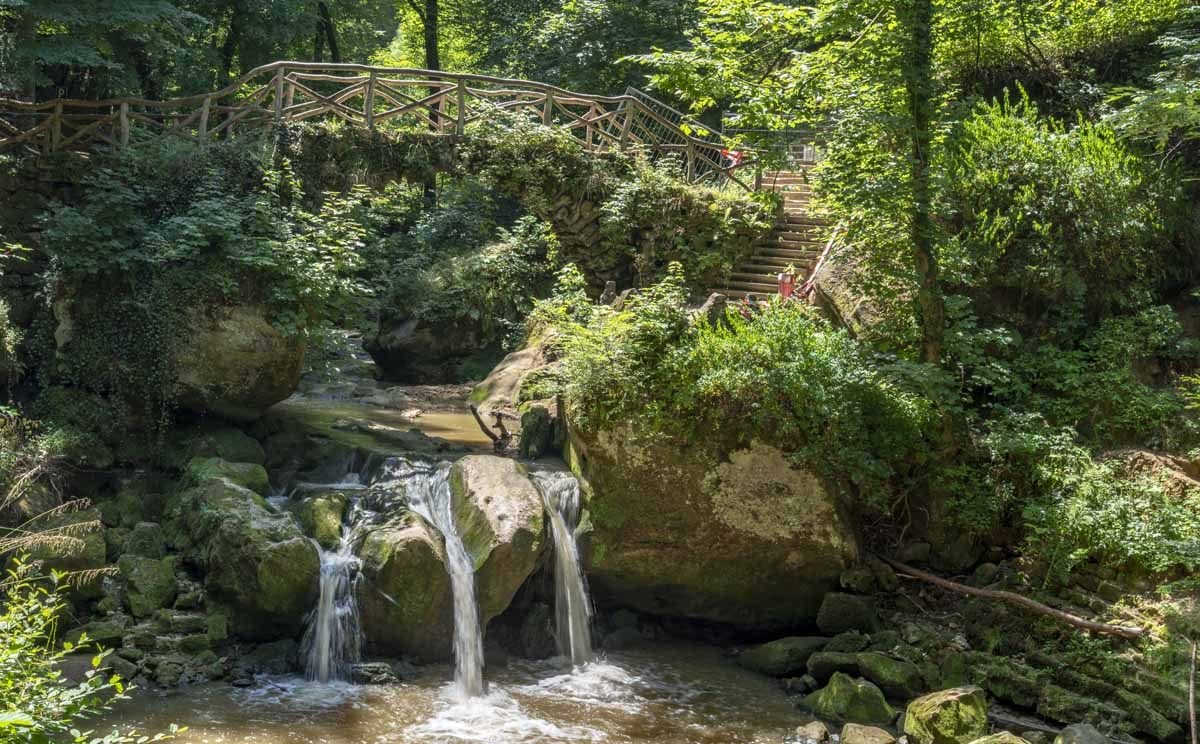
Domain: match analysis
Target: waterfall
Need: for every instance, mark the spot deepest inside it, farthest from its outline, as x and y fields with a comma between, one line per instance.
x=428, y=494
x=572, y=609
x=333, y=637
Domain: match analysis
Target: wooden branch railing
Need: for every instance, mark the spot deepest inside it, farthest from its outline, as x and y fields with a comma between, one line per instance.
x=370, y=97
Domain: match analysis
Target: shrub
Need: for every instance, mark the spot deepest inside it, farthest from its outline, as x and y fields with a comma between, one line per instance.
x=37, y=702
x=783, y=376
x=1049, y=225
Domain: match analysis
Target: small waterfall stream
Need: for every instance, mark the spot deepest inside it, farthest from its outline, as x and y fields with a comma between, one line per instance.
x=333, y=635
x=572, y=608
x=428, y=494
x=333, y=638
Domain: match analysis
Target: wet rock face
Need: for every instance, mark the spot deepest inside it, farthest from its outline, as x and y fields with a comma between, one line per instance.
x=404, y=599
x=686, y=530
x=500, y=519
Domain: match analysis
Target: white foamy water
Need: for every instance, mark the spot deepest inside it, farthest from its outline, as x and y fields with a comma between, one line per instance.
x=427, y=491
x=572, y=608
x=667, y=694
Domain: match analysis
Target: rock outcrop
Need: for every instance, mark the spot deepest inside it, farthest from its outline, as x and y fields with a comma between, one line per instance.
x=687, y=530
x=404, y=600
x=255, y=560
x=500, y=518
x=235, y=364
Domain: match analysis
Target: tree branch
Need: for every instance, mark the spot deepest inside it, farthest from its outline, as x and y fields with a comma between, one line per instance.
x=1118, y=630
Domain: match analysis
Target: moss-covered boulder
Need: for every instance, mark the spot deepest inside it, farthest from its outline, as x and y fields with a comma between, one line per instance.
x=824, y=664
x=145, y=539
x=235, y=364
x=320, y=515
x=255, y=560
x=954, y=716
x=213, y=439
x=245, y=474
x=500, y=518
x=405, y=599
x=841, y=612
x=782, y=657
x=897, y=678
x=149, y=583
x=699, y=530
x=1081, y=733
x=850, y=700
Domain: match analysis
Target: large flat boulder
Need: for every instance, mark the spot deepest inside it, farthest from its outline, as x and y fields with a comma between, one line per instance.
x=687, y=529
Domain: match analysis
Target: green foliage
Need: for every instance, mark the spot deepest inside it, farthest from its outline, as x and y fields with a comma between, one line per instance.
x=490, y=290
x=169, y=231
x=37, y=701
x=1088, y=509
x=1054, y=223
x=783, y=375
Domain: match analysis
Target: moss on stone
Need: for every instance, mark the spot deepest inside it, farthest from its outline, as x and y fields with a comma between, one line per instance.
x=850, y=700
x=245, y=474
x=954, y=716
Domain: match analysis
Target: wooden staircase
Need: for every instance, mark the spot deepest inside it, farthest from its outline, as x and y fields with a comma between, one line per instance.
x=796, y=240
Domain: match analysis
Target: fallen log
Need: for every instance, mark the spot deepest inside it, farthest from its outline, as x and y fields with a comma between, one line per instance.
x=1123, y=631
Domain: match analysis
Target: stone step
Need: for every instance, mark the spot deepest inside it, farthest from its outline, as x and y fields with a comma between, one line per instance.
x=773, y=270
x=804, y=219
x=792, y=253
x=755, y=286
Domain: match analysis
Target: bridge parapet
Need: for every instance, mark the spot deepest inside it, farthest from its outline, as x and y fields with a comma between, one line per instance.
x=365, y=96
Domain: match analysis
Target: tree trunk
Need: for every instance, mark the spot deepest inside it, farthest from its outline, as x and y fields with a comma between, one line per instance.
x=326, y=23
x=916, y=18
x=433, y=60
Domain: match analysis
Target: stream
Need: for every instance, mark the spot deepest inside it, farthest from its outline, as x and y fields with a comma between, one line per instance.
x=667, y=693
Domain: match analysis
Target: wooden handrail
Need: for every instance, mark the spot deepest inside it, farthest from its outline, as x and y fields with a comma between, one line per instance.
x=367, y=96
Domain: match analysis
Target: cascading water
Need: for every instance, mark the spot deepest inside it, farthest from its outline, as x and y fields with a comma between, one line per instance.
x=572, y=608
x=333, y=638
x=427, y=491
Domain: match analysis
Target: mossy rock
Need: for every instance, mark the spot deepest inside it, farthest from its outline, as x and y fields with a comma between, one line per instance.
x=1081, y=733
x=850, y=700
x=824, y=664
x=500, y=518
x=256, y=561
x=245, y=474
x=709, y=530
x=145, y=539
x=843, y=612
x=897, y=679
x=149, y=583
x=224, y=442
x=954, y=716
x=321, y=516
x=849, y=642
x=405, y=598
x=782, y=657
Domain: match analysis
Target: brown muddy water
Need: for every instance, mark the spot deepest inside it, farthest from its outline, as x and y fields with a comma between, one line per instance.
x=670, y=693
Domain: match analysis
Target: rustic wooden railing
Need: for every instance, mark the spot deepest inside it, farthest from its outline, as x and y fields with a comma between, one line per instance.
x=370, y=97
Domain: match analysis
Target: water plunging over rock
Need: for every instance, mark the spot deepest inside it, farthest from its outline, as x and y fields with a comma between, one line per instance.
x=428, y=493
x=333, y=639
x=572, y=608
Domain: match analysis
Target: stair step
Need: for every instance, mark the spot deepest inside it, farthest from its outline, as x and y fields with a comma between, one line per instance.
x=805, y=219
x=755, y=286
x=788, y=255
x=774, y=270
